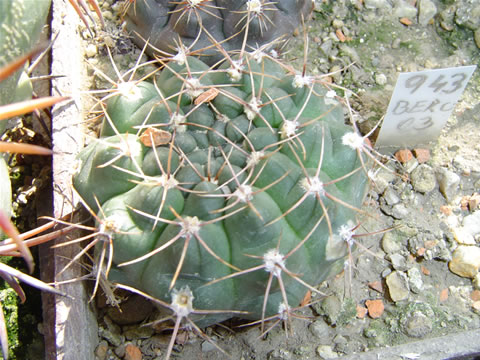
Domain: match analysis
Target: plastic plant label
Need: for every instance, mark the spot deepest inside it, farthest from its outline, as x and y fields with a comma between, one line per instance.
x=421, y=105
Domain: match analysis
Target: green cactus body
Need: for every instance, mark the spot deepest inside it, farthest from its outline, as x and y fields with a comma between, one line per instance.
x=21, y=23
x=196, y=23
x=243, y=183
x=20, y=26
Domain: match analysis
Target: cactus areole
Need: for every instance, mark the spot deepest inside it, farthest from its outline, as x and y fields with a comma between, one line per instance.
x=240, y=196
x=196, y=23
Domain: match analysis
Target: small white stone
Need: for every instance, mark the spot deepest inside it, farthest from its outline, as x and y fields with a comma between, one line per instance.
x=426, y=11
x=326, y=352
x=398, y=288
x=91, y=50
x=381, y=79
x=465, y=261
x=448, y=183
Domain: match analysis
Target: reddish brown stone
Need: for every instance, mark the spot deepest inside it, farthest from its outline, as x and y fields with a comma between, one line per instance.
x=406, y=21
x=475, y=295
x=444, y=295
x=376, y=285
x=425, y=271
x=422, y=155
x=404, y=156
x=361, y=311
x=375, y=308
x=132, y=352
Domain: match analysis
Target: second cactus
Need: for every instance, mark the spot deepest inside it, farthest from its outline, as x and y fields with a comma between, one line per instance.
x=235, y=185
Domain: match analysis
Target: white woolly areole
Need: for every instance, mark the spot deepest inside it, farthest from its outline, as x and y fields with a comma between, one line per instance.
x=176, y=120
x=353, y=140
x=330, y=97
x=182, y=301
x=190, y=225
x=289, y=128
x=254, y=158
x=274, y=262
x=108, y=228
x=300, y=81
x=331, y=94
x=258, y=55
x=313, y=186
x=130, y=90
x=254, y=6
x=283, y=310
x=252, y=108
x=194, y=3
x=181, y=56
x=130, y=147
x=244, y=193
x=235, y=71
x=193, y=87
x=346, y=233
x=167, y=181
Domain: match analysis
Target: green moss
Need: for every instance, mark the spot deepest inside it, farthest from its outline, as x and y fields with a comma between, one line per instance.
x=348, y=313
x=9, y=301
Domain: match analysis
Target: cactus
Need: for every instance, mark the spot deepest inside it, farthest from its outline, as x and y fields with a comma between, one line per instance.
x=195, y=23
x=236, y=186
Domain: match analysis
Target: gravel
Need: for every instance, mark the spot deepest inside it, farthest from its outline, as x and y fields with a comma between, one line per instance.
x=429, y=236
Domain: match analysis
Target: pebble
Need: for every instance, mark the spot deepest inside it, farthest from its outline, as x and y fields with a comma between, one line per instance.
x=337, y=24
x=404, y=155
x=132, y=352
x=101, y=350
x=376, y=285
x=410, y=165
x=468, y=15
x=398, y=262
x=120, y=351
x=207, y=346
x=475, y=295
x=423, y=179
x=399, y=211
x=375, y=308
x=422, y=155
x=380, y=79
x=361, y=311
x=91, y=50
x=465, y=261
x=476, y=36
x=319, y=328
x=403, y=9
x=446, y=18
x=418, y=325
x=466, y=233
x=326, y=352
x=112, y=333
x=426, y=11
x=381, y=180
x=391, y=196
x=391, y=242
x=398, y=288
x=376, y=4
x=415, y=280
x=443, y=295
x=448, y=183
